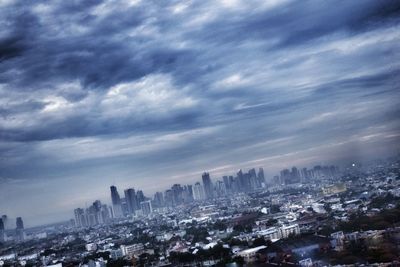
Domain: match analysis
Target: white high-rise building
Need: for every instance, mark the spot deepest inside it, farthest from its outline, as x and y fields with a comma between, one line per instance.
x=198, y=192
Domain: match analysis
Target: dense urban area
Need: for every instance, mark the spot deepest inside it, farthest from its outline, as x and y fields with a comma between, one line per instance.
x=322, y=216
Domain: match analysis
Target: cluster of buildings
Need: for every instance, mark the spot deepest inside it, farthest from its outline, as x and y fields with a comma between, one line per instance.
x=240, y=217
x=19, y=235
x=135, y=203
x=97, y=213
x=295, y=176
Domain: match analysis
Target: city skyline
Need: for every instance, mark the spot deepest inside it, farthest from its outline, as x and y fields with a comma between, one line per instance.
x=114, y=208
x=146, y=95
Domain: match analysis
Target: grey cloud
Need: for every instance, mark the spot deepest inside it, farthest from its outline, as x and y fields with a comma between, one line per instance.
x=294, y=83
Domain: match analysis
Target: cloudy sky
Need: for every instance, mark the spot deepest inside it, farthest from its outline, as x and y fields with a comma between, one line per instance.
x=151, y=93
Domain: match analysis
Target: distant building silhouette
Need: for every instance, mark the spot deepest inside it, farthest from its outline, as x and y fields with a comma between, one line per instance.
x=116, y=202
x=20, y=232
x=5, y=221
x=198, y=191
x=2, y=231
x=146, y=207
x=208, y=186
x=131, y=201
x=80, y=218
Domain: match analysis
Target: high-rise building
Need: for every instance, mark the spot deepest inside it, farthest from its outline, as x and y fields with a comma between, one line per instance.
x=208, y=185
x=124, y=206
x=130, y=198
x=227, y=184
x=19, y=223
x=20, y=232
x=146, y=207
x=233, y=184
x=285, y=176
x=97, y=213
x=187, y=194
x=5, y=221
x=188, y=190
x=169, y=198
x=254, y=182
x=198, y=192
x=140, y=196
x=116, y=202
x=105, y=214
x=177, y=194
x=220, y=189
x=244, y=181
x=295, y=175
x=304, y=175
x=158, y=199
x=261, y=177
x=2, y=231
x=80, y=218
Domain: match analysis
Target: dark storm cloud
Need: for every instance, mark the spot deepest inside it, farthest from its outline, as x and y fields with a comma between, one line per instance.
x=131, y=90
x=10, y=47
x=300, y=22
x=48, y=49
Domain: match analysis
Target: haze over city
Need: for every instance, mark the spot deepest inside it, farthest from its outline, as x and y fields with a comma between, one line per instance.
x=146, y=94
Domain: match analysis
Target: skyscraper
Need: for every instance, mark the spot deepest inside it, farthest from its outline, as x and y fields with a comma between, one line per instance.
x=2, y=237
x=227, y=184
x=19, y=223
x=295, y=175
x=80, y=218
x=208, y=186
x=5, y=221
x=169, y=198
x=261, y=177
x=253, y=180
x=105, y=214
x=159, y=199
x=20, y=232
x=243, y=181
x=220, y=189
x=233, y=184
x=146, y=207
x=177, y=191
x=198, y=192
x=188, y=193
x=131, y=201
x=140, y=197
x=116, y=202
x=285, y=177
x=2, y=231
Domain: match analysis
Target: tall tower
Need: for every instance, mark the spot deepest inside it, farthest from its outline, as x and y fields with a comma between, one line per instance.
x=2, y=231
x=20, y=223
x=80, y=218
x=20, y=233
x=208, y=186
x=131, y=201
x=261, y=177
x=198, y=192
x=5, y=221
x=146, y=207
x=116, y=202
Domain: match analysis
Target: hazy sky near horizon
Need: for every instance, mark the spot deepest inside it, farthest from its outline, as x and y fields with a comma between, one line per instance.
x=148, y=93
